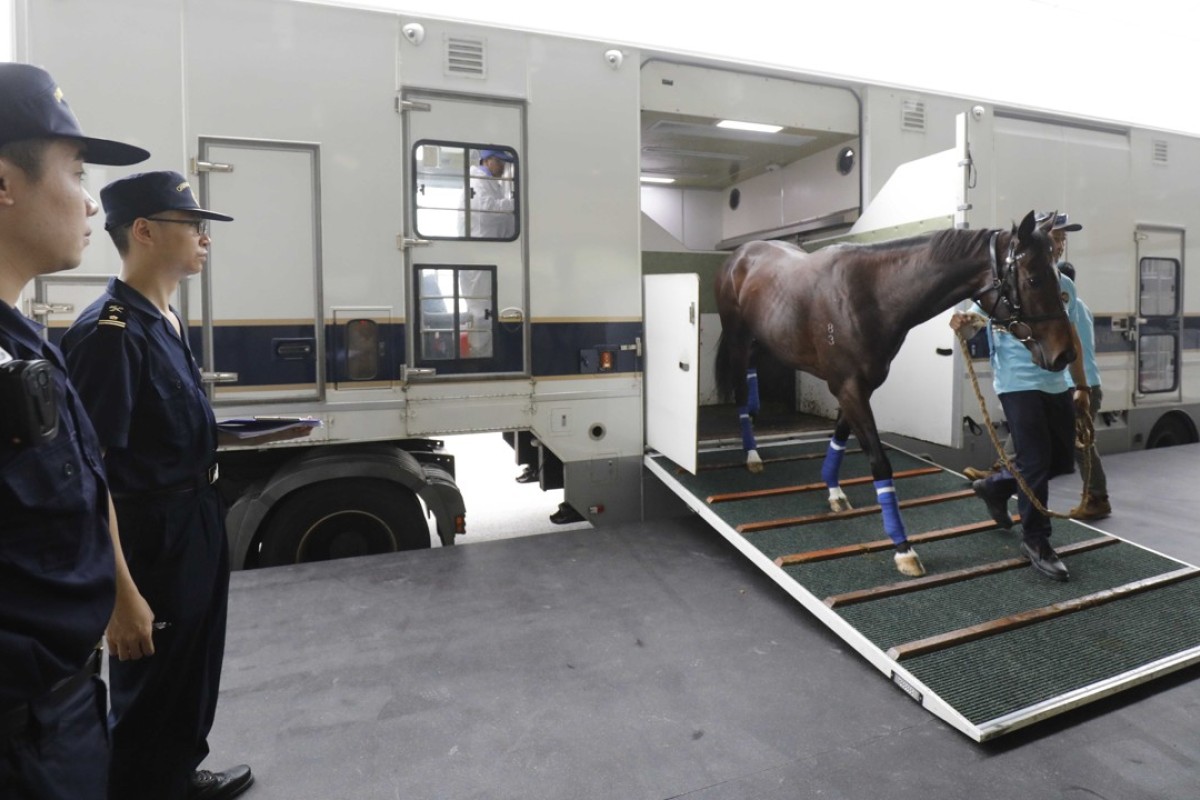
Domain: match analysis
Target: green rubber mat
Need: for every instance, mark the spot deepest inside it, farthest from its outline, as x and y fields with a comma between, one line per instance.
x=989, y=651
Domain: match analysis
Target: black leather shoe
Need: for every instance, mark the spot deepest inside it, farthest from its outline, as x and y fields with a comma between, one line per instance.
x=1043, y=559
x=528, y=476
x=997, y=506
x=565, y=514
x=207, y=785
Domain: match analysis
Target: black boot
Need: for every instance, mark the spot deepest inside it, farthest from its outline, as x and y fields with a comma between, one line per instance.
x=565, y=514
x=1043, y=559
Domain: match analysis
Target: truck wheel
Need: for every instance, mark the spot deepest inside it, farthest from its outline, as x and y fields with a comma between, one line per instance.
x=343, y=518
x=1170, y=430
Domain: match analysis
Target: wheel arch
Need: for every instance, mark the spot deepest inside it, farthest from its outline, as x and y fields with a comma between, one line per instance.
x=1176, y=422
x=431, y=483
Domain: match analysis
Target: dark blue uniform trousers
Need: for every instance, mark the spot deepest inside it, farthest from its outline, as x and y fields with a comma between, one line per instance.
x=1043, y=432
x=63, y=753
x=163, y=706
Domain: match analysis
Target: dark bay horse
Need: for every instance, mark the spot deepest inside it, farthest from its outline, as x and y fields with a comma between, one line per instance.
x=842, y=313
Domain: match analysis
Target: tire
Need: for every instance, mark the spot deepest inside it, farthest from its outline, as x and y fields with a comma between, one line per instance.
x=1170, y=430
x=341, y=519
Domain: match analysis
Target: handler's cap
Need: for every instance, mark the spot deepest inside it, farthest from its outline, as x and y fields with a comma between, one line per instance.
x=503, y=155
x=145, y=194
x=34, y=108
x=1061, y=222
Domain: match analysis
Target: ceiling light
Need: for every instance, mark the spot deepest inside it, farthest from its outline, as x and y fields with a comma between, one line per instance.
x=656, y=179
x=757, y=127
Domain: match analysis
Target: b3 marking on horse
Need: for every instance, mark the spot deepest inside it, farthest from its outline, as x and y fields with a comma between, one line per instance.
x=774, y=295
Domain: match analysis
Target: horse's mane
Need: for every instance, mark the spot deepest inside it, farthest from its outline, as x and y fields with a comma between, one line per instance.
x=945, y=246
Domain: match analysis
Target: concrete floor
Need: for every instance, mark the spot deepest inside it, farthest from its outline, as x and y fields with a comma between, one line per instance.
x=648, y=661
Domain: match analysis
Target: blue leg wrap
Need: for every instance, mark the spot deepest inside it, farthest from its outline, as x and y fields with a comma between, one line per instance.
x=892, y=524
x=752, y=391
x=832, y=466
x=748, y=442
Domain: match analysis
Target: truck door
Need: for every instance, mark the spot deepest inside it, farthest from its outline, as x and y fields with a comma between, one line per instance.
x=672, y=325
x=464, y=237
x=1158, y=323
x=260, y=293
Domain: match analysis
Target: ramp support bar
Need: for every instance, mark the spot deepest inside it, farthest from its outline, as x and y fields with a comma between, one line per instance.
x=944, y=578
x=820, y=486
x=1034, y=615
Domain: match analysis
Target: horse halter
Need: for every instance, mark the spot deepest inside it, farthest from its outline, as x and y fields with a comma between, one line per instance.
x=1006, y=285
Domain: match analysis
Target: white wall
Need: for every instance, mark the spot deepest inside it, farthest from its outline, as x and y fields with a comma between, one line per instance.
x=691, y=216
x=805, y=189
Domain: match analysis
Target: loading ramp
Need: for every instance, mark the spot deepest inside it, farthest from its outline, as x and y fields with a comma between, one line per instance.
x=981, y=641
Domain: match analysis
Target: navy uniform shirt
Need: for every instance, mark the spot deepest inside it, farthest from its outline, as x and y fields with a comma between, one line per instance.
x=57, y=584
x=142, y=388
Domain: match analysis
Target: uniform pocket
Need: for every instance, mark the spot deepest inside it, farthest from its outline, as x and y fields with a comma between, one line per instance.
x=47, y=479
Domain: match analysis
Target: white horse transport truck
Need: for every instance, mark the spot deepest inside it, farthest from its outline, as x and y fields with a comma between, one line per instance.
x=379, y=278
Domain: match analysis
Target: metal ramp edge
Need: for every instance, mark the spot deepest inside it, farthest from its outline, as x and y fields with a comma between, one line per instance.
x=895, y=671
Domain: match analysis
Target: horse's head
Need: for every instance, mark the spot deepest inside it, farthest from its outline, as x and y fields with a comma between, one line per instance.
x=1024, y=297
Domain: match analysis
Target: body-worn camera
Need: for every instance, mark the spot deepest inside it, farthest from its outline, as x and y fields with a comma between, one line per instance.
x=28, y=407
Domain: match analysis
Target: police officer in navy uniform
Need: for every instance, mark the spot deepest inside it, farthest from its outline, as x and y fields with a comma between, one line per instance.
x=58, y=576
x=130, y=358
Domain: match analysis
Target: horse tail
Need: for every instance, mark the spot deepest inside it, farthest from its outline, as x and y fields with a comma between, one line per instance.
x=724, y=370
x=729, y=369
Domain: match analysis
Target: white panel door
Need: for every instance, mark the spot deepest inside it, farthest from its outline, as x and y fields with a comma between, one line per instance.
x=262, y=285
x=672, y=326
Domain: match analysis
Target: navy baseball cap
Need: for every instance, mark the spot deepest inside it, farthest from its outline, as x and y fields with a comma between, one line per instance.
x=34, y=108
x=503, y=155
x=145, y=194
x=1061, y=222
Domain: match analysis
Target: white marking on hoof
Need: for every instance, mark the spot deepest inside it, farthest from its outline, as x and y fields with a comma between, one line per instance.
x=909, y=564
x=753, y=462
x=838, y=500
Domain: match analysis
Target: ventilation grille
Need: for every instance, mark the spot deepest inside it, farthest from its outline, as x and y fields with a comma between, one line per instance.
x=466, y=57
x=912, y=115
x=1159, y=151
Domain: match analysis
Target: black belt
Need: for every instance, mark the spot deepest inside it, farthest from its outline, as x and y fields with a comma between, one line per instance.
x=15, y=721
x=197, y=483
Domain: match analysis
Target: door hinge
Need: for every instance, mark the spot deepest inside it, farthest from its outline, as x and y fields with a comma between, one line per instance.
x=411, y=105
x=405, y=242
x=199, y=166
x=46, y=309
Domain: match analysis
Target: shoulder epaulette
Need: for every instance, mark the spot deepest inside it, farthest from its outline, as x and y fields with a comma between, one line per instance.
x=113, y=314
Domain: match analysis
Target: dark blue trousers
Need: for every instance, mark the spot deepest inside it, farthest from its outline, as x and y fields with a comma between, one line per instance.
x=163, y=706
x=1043, y=432
x=63, y=755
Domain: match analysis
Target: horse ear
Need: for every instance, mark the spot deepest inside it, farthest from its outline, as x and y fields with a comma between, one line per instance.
x=1027, y=225
x=1048, y=223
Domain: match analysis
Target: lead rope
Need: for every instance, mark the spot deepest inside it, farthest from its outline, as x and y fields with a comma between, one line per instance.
x=1085, y=436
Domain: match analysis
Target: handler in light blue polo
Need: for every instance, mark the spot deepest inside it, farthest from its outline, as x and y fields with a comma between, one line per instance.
x=130, y=358
x=58, y=573
x=1041, y=418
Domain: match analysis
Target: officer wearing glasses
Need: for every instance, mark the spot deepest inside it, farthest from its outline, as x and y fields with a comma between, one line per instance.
x=129, y=355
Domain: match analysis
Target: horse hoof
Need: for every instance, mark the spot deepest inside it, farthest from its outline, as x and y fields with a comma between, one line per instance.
x=838, y=501
x=909, y=563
